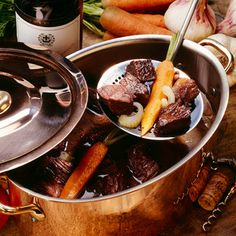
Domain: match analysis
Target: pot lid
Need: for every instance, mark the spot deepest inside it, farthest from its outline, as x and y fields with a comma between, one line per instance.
x=42, y=98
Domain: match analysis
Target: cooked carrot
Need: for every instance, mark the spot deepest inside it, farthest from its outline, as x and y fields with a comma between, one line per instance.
x=122, y=23
x=140, y=5
x=155, y=19
x=215, y=189
x=164, y=76
x=84, y=170
x=88, y=165
x=108, y=35
x=200, y=183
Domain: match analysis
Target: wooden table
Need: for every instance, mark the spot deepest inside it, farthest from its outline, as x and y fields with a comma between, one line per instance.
x=191, y=223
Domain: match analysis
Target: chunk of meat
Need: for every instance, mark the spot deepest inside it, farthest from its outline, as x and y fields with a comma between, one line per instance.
x=143, y=70
x=176, y=117
x=138, y=90
x=141, y=163
x=118, y=99
x=53, y=174
x=186, y=90
x=110, y=184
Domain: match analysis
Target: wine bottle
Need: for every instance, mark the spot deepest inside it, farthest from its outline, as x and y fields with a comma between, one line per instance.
x=55, y=24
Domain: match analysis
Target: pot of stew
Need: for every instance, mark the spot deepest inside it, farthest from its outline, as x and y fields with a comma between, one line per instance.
x=100, y=181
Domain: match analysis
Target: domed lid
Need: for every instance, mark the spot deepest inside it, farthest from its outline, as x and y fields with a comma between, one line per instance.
x=42, y=98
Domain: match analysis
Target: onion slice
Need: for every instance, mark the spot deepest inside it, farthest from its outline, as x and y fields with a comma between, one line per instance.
x=167, y=90
x=134, y=119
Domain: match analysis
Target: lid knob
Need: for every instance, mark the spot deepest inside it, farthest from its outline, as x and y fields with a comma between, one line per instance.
x=5, y=101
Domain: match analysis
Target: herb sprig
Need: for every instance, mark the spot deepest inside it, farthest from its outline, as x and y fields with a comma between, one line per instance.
x=7, y=16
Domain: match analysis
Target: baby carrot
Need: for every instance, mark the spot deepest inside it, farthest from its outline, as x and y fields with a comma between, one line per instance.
x=164, y=76
x=122, y=23
x=140, y=5
x=155, y=19
x=84, y=170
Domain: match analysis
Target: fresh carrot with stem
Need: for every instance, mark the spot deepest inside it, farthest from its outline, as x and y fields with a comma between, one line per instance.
x=164, y=76
x=88, y=165
x=155, y=19
x=140, y=5
x=122, y=23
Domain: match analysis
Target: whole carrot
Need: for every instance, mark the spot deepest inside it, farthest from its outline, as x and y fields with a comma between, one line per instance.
x=140, y=5
x=122, y=23
x=155, y=19
x=87, y=166
x=84, y=170
x=165, y=74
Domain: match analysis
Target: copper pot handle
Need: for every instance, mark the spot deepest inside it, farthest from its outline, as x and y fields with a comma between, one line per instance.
x=33, y=209
x=223, y=50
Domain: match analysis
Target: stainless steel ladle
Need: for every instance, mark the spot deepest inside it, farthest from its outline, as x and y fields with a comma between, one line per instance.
x=115, y=72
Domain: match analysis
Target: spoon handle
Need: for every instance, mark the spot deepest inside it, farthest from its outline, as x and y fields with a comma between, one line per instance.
x=180, y=35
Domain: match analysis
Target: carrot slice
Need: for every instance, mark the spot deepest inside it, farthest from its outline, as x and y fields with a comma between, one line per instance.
x=165, y=74
x=84, y=171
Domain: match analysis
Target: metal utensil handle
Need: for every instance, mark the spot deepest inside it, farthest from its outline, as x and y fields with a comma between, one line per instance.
x=184, y=27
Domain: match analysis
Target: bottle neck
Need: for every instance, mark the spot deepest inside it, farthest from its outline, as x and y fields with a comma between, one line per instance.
x=48, y=13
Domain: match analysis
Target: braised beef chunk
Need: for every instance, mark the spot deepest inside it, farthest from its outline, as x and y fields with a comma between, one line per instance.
x=186, y=90
x=173, y=118
x=141, y=163
x=109, y=184
x=53, y=175
x=138, y=90
x=143, y=70
x=110, y=178
x=117, y=98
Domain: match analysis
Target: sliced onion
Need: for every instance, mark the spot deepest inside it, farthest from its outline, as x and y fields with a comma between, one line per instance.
x=134, y=119
x=169, y=94
x=164, y=102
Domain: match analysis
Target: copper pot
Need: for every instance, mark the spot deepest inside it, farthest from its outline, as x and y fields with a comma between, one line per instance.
x=148, y=208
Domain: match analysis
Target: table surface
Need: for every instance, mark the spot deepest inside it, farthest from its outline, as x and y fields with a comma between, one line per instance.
x=191, y=223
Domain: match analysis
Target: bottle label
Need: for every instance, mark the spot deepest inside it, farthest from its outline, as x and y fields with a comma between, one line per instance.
x=63, y=39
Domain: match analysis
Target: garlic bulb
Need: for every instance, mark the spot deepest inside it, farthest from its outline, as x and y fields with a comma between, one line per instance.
x=203, y=22
x=228, y=25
